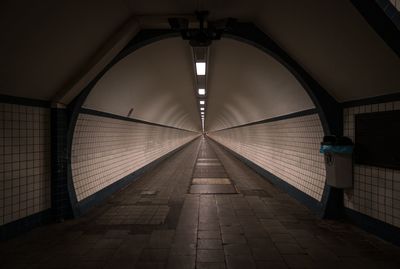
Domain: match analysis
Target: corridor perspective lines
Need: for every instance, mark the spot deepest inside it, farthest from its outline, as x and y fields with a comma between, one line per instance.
x=157, y=223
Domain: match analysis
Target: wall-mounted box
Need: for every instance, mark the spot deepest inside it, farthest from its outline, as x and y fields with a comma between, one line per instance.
x=339, y=170
x=338, y=155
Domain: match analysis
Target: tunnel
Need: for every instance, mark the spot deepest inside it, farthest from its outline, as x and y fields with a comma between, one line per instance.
x=200, y=134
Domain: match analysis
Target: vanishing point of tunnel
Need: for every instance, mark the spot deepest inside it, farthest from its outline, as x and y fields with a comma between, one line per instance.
x=200, y=134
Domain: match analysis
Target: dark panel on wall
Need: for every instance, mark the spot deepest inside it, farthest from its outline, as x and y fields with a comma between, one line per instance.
x=377, y=138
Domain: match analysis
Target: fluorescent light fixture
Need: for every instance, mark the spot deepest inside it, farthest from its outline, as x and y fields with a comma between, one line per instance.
x=202, y=102
x=201, y=108
x=201, y=68
x=202, y=91
x=202, y=112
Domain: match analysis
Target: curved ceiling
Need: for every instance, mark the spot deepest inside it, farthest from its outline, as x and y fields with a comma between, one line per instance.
x=334, y=43
x=246, y=85
x=46, y=44
x=156, y=81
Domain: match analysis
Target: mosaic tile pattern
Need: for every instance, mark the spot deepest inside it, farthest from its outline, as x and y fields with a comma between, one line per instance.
x=24, y=161
x=289, y=149
x=376, y=191
x=105, y=150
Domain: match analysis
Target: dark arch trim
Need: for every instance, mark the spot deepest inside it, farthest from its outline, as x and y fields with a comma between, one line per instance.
x=329, y=110
x=384, y=18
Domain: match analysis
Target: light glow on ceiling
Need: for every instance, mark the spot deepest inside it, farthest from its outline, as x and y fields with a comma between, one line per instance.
x=202, y=91
x=201, y=68
x=202, y=102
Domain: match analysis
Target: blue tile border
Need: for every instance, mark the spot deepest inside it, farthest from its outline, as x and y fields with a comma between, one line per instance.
x=12, y=229
x=97, y=198
x=377, y=227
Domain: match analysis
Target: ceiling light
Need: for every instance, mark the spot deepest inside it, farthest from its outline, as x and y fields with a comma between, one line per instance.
x=202, y=91
x=201, y=68
x=202, y=102
x=201, y=108
x=202, y=112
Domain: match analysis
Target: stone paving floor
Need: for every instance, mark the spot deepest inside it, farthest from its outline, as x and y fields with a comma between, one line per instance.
x=156, y=223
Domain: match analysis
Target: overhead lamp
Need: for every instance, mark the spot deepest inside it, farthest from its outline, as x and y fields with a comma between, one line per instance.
x=202, y=102
x=202, y=91
x=201, y=68
x=202, y=112
x=201, y=108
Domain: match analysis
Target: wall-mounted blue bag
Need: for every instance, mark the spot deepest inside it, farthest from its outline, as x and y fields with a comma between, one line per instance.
x=336, y=149
x=334, y=144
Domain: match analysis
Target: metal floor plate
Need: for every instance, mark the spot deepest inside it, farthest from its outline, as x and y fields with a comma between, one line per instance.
x=208, y=160
x=211, y=181
x=208, y=164
x=148, y=192
x=212, y=189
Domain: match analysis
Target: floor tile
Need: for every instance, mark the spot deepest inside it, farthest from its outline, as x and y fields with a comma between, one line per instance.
x=210, y=255
x=209, y=244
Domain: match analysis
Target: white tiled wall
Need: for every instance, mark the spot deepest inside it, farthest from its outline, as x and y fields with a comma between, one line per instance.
x=105, y=150
x=289, y=149
x=376, y=191
x=24, y=161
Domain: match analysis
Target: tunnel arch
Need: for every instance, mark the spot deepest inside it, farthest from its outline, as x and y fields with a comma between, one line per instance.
x=325, y=105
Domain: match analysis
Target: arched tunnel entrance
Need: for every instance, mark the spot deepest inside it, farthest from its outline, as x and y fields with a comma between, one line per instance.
x=155, y=152
x=246, y=86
